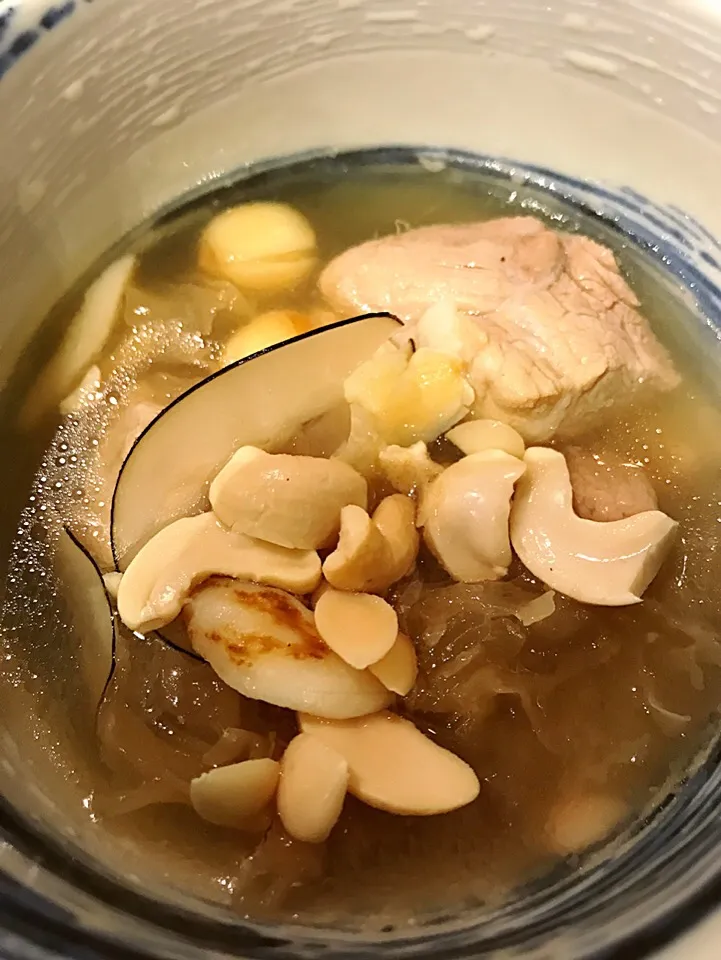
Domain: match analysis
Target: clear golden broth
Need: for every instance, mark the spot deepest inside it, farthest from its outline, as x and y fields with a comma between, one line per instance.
x=609, y=702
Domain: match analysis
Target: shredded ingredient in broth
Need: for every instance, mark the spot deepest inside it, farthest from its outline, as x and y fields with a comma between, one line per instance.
x=541, y=723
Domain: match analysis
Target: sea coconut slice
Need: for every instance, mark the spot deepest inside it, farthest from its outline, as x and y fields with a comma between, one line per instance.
x=263, y=643
x=260, y=401
x=90, y=610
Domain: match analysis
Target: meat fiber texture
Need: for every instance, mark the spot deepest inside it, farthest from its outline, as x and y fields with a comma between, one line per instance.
x=555, y=339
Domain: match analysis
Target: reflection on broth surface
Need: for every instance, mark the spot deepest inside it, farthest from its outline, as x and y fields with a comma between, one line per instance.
x=561, y=720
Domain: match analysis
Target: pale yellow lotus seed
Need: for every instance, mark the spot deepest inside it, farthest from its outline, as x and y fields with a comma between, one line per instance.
x=264, y=331
x=262, y=248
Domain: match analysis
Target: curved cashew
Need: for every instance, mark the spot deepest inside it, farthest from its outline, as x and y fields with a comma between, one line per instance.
x=475, y=436
x=394, y=767
x=231, y=796
x=260, y=247
x=466, y=515
x=359, y=627
x=610, y=564
x=156, y=584
x=287, y=500
x=264, y=644
x=409, y=469
x=362, y=554
x=313, y=785
x=374, y=554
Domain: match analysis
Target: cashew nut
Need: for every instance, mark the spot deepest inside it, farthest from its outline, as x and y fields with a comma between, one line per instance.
x=475, y=436
x=394, y=767
x=312, y=788
x=466, y=515
x=397, y=671
x=360, y=560
x=266, y=330
x=374, y=554
x=287, y=500
x=264, y=644
x=260, y=247
x=231, y=796
x=359, y=627
x=160, y=577
x=610, y=564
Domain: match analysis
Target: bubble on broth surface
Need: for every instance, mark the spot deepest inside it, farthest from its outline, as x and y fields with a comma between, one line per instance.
x=73, y=487
x=146, y=371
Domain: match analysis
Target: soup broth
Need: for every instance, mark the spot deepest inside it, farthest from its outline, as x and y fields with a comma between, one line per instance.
x=576, y=719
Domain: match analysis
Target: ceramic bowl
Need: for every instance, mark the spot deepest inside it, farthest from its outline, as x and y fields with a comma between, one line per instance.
x=112, y=110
